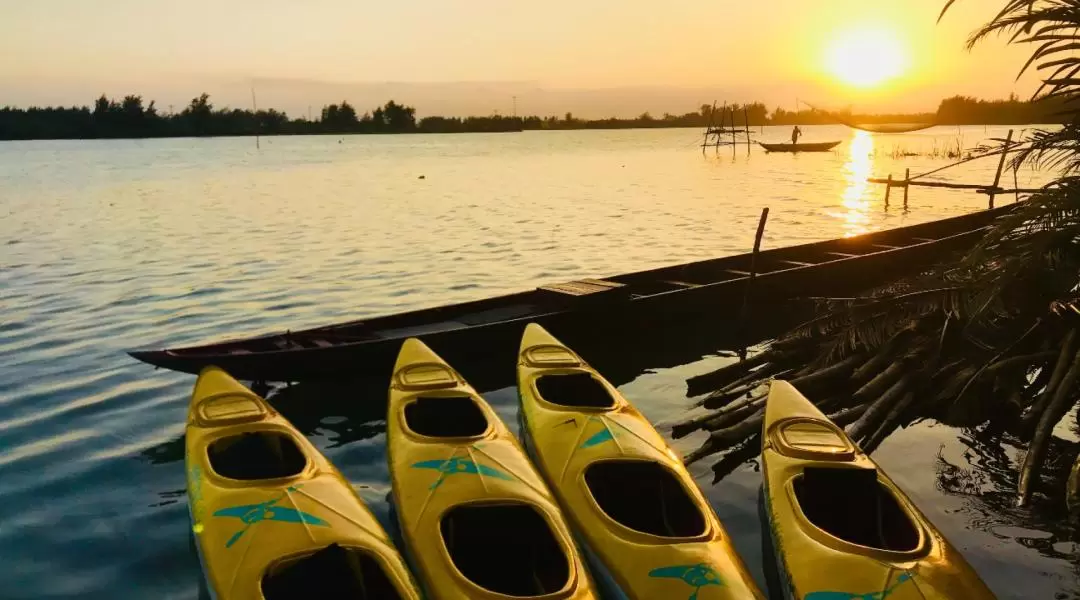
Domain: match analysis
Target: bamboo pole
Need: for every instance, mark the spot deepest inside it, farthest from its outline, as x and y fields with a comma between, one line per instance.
x=1016, y=191
x=746, y=125
x=723, y=111
x=708, y=128
x=933, y=184
x=734, y=142
x=753, y=266
x=907, y=180
x=1001, y=165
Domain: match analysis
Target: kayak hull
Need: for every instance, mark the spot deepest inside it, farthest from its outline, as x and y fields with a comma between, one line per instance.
x=247, y=529
x=434, y=476
x=574, y=445
x=909, y=559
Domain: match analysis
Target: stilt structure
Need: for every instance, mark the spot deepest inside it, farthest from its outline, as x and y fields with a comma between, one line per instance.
x=722, y=131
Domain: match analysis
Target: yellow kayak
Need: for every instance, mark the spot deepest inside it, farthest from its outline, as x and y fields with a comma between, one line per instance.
x=478, y=520
x=272, y=517
x=842, y=529
x=627, y=494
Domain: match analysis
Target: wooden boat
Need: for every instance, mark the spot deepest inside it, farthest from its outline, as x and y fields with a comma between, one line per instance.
x=485, y=330
x=477, y=518
x=810, y=147
x=839, y=526
x=625, y=492
x=272, y=517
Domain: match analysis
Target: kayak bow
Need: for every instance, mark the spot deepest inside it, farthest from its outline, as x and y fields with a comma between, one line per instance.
x=840, y=527
x=272, y=517
x=477, y=518
x=625, y=491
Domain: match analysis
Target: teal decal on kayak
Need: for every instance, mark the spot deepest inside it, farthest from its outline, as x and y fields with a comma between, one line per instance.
x=454, y=466
x=696, y=576
x=250, y=514
x=604, y=435
x=882, y=595
x=598, y=438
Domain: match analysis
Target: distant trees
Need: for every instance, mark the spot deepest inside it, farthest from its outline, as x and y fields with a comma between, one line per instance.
x=339, y=118
x=132, y=117
x=966, y=110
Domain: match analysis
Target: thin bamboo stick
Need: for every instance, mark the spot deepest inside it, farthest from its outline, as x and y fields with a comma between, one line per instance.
x=746, y=125
x=1001, y=165
x=907, y=180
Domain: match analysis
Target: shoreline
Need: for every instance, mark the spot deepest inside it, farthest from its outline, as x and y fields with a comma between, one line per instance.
x=420, y=132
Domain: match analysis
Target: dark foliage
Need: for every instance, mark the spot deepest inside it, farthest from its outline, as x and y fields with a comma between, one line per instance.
x=132, y=117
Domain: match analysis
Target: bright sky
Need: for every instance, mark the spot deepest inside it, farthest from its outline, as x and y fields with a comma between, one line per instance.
x=67, y=51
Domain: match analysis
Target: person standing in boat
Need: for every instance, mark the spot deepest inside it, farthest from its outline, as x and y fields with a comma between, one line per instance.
x=795, y=133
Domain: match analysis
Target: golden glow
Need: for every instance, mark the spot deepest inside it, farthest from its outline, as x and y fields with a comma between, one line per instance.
x=856, y=170
x=866, y=57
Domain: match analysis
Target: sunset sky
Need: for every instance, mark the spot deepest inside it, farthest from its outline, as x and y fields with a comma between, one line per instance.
x=594, y=57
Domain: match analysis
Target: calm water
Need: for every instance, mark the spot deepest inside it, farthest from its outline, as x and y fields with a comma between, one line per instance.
x=110, y=245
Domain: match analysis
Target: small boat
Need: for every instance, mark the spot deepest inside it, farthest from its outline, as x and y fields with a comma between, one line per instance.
x=486, y=331
x=647, y=527
x=272, y=518
x=810, y=147
x=840, y=527
x=477, y=519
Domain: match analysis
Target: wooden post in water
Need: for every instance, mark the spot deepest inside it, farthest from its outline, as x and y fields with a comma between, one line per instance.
x=907, y=185
x=746, y=124
x=1001, y=165
x=753, y=269
x=708, y=128
x=723, y=111
x=888, y=189
x=734, y=142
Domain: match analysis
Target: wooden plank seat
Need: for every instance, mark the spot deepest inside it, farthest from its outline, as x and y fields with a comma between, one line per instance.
x=582, y=287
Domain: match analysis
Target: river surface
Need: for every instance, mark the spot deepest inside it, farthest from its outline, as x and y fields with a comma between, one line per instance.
x=107, y=246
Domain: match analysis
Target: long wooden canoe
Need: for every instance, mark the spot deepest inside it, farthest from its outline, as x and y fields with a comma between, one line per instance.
x=482, y=330
x=812, y=147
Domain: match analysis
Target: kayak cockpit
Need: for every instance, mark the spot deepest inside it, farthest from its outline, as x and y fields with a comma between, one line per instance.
x=446, y=416
x=646, y=497
x=339, y=571
x=574, y=390
x=256, y=455
x=853, y=505
x=507, y=548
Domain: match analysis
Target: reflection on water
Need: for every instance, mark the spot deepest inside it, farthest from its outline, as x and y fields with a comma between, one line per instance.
x=857, y=169
x=984, y=471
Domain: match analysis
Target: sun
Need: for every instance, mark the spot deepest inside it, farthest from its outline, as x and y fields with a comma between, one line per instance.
x=866, y=57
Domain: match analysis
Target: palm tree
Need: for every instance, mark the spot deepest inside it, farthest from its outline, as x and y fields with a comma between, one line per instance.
x=993, y=336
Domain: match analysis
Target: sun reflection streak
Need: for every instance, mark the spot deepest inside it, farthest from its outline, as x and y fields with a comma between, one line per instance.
x=856, y=171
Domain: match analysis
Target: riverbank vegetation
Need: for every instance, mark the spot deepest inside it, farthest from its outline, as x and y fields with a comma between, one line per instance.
x=134, y=117
x=989, y=341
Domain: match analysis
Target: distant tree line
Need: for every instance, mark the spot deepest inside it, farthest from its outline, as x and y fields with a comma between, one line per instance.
x=966, y=110
x=957, y=110
x=132, y=117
